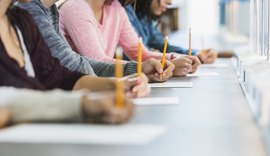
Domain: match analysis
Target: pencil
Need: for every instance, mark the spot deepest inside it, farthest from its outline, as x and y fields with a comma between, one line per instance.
x=189, y=48
x=119, y=75
x=139, y=67
x=164, y=54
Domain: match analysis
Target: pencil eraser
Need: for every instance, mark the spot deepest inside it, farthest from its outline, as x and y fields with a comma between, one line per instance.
x=119, y=51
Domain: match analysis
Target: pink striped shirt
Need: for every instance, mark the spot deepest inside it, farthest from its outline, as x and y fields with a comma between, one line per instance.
x=98, y=41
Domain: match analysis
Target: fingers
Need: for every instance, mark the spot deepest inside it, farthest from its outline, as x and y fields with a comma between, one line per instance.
x=118, y=116
x=182, y=66
x=212, y=56
x=104, y=110
x=157, y=65
x=130, y=82
x=182, y=71
x=208, y=56
x=142, y=88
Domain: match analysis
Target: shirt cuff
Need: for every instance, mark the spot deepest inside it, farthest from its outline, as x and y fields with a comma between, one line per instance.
x=130, y=68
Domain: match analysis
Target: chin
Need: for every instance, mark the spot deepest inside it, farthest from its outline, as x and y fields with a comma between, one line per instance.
x=158, y=13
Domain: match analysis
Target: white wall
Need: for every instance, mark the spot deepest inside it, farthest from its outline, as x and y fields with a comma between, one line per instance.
x=201, y=15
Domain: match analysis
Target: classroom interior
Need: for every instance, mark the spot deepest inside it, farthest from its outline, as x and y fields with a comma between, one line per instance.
x=223, y=109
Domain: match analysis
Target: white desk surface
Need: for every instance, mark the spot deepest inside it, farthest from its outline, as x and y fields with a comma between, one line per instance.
x=212, y=119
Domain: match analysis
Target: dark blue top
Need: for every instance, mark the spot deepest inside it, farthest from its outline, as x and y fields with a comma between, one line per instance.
x=151, y=35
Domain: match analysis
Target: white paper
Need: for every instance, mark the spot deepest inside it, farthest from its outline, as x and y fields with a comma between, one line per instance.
x=214, y=65
x=156, y=101
x=203, y=74
x=172, y=85
x=82, y=134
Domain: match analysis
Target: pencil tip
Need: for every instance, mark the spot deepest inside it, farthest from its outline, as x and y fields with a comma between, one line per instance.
x=140, y=39
x=166, y=37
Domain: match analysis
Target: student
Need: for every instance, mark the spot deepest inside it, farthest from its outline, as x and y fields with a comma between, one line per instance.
x=46, y=16
x=25, y=62
x=95, y=28
x=25, y=105
x=144, y=19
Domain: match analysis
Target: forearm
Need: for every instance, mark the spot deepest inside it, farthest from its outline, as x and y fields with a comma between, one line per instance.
x=95, y=83
x=27, y=105
x=103, y=69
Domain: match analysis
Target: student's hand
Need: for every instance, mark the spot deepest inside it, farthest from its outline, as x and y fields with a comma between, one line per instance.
x=175, y=55
x=4, y=116
x=153, y=68
x=183, y=66
x=136, y=86
x=101, y=108
x=207, y=56
x=195, y=63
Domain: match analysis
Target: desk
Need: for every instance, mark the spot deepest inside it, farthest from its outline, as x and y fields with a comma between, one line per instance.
x=212, y=119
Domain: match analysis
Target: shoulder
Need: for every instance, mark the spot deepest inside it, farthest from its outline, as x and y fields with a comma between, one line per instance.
x=34, y=7
x=77, y=9
x=116, y=10
x=116, y=5
x=23, y=17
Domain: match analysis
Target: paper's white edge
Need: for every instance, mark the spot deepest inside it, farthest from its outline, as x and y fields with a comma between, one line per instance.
x=172, y=85
x=156, y=101
x=72, y=134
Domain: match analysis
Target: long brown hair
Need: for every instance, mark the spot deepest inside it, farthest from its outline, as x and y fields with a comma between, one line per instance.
x=143, y=8
x=127, y=2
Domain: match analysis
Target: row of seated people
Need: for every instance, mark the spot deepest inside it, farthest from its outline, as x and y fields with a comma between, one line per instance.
x=58, y=65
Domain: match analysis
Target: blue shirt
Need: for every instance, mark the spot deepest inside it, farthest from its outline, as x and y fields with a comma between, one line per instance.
x=151, y=35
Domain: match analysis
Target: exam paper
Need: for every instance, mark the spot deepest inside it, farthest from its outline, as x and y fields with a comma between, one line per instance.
x=82, y=134
x=156, y=101
x=203, y=74
x=214, y=65
x=169, y=84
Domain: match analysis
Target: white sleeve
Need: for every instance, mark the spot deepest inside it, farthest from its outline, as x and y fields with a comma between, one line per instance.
x=49, y=106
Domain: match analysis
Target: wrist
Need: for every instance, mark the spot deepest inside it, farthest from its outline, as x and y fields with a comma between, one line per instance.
x=4, y=116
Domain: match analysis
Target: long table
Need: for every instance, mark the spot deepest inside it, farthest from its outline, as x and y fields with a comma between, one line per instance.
x=212, y=119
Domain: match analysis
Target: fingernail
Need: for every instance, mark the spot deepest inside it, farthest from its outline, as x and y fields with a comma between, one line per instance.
x=160, y=70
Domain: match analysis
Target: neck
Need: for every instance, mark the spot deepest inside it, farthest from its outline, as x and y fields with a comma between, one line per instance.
x=48, y=3
x=96, y=5
x=3, y=8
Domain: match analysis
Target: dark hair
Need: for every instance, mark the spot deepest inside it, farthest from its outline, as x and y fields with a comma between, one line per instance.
x=143, y=8
x=126, y=2
x=11, y=14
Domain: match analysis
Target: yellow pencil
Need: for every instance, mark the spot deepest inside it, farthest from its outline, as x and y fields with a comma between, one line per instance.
x=164, y=54
x=189, y=48
x=139, y=67
x=119, y=75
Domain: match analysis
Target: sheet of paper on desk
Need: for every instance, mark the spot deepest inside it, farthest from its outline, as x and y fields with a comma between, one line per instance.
x=214, y=65
x=172, y=85
x=82, y=134
x=156, y=101
x=203, y=74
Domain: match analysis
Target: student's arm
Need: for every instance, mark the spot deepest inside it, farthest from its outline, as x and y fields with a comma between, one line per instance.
x=48, y=70
x=60, y=49
x=29, y=105
x=23, y=105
